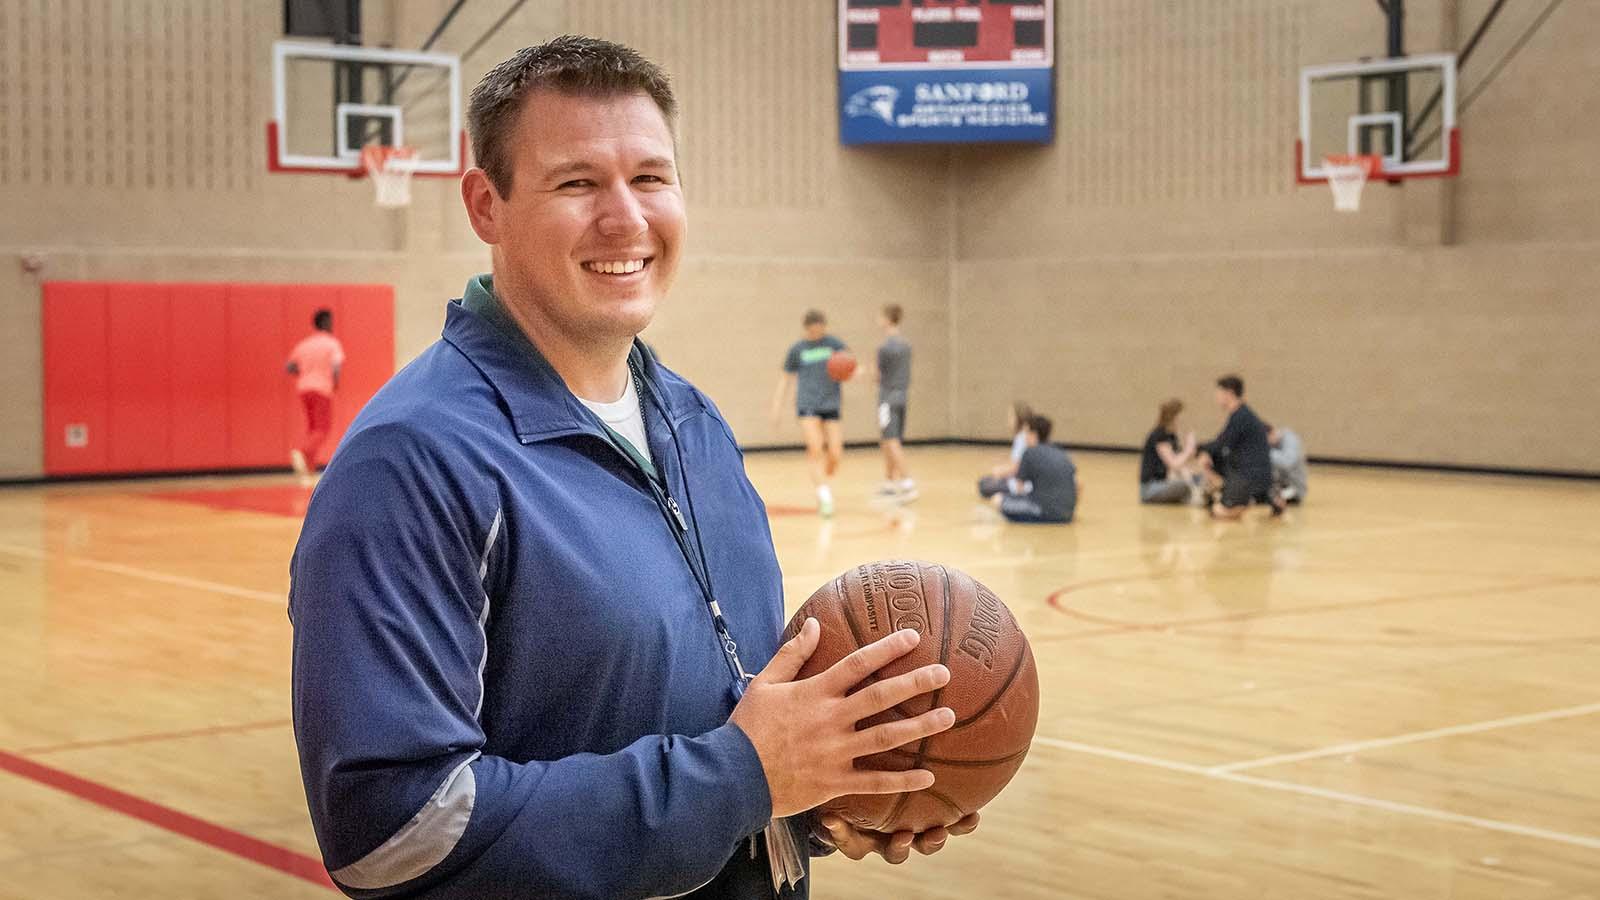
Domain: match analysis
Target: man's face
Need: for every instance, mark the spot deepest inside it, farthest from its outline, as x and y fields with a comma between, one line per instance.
x=1224, y=398
x=590, y=238
x=816, y=330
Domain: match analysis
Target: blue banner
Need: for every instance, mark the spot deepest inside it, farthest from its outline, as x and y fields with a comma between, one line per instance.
x=898, y=106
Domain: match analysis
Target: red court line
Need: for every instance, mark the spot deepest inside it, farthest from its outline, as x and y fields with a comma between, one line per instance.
x=288, y=500
x=774, y=510
x=212, y=835
x=1110, y=625
x=155, y=736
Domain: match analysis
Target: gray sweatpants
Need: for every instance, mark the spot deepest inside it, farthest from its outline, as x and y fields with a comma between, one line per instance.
x=1164, y=492
x=1019, y=508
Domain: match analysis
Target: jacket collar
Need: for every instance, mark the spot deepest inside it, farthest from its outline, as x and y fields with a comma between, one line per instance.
x=540, y=405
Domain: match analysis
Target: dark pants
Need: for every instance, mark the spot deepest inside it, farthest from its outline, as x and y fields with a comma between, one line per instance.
x=1239, y=491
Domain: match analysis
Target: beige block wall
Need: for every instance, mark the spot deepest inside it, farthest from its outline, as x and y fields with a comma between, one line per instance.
x=132, y=146
x=1448, y=355
x=1158, y=241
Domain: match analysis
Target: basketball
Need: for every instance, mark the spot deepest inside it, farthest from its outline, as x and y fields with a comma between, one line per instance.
x=841, y=365
x=993, y=689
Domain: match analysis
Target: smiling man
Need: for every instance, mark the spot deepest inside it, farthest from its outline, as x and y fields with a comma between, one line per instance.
x=534, y=576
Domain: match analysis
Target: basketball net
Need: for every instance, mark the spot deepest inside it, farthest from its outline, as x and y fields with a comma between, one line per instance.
x=1347, y=175
x=390, y=169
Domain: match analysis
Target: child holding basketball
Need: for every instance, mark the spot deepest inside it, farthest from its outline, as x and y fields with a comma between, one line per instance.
x=817, y=403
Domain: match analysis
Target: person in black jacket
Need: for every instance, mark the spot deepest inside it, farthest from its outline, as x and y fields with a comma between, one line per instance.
x=1239, y=459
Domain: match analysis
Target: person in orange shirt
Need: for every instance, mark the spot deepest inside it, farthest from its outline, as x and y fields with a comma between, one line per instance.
x=315, y=363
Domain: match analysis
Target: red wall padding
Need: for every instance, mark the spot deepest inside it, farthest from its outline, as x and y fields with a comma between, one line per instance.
x=257, y=349
x=199, y=363
x=138, y=346
x=77, y=384
x=172, y=377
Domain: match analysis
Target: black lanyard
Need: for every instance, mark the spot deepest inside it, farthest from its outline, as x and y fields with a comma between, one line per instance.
x=679, y=526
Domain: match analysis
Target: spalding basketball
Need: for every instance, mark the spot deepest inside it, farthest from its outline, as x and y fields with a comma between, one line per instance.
x=841, y=365
x=993, y=689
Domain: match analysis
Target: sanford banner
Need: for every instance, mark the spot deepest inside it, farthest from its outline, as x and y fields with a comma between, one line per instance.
x=945, y=71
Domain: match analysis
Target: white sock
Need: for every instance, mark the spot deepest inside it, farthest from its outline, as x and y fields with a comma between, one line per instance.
x=825, y=493
x=907, y=484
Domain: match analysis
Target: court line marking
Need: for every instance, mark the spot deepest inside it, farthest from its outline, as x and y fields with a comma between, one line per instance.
x=156, y=736
x=1407, y=809
x=1185, y=627
x=1549, y=715
x=218, y=837
x=112, y=568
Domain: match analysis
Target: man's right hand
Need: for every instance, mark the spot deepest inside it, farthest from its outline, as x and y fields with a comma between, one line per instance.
x=805, y=731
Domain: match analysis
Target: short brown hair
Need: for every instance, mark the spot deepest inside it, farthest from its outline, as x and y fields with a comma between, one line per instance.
x=570, y=64
x=892, y=312
x=1169, y=414
x=1041, y=426
x=1233, y=384
x=814, y=317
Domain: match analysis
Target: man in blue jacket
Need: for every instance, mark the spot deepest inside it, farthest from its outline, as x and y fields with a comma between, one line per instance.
x=532, y=580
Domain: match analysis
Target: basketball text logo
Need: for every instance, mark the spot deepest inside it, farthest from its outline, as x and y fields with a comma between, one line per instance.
x=983, y=636
x=902, y=583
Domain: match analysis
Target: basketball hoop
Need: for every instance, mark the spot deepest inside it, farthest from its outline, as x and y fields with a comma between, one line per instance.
x=1347, y=175
x=390, y=169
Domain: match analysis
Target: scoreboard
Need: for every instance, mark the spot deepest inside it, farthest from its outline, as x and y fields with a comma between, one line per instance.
x=881, y=33
x=920, y=71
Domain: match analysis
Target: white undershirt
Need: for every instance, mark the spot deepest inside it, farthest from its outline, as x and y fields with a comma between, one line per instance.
x=625, y=417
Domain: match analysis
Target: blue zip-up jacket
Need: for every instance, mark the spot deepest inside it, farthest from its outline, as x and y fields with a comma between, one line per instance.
x=506, y=681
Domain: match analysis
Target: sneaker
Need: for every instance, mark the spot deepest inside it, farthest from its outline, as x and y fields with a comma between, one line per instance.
x=825, y=507
x=908, y=492
x=887, y=489
x=297, y=460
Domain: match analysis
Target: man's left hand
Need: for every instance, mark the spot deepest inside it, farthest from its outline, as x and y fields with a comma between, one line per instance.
x=895, y=848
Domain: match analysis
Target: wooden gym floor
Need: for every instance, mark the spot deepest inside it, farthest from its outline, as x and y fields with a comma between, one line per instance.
x=1394, y=693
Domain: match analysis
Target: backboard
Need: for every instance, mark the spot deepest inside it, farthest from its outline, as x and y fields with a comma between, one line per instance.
x=1402, y=110
x=330, y=100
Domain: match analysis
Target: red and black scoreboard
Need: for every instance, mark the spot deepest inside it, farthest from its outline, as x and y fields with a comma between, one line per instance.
x=945, y=70
x=946, y=31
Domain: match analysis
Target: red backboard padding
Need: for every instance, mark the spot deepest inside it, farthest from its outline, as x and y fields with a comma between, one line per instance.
x=150, y=377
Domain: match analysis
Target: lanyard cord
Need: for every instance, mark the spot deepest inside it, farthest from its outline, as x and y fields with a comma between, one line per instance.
x=680, y=532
